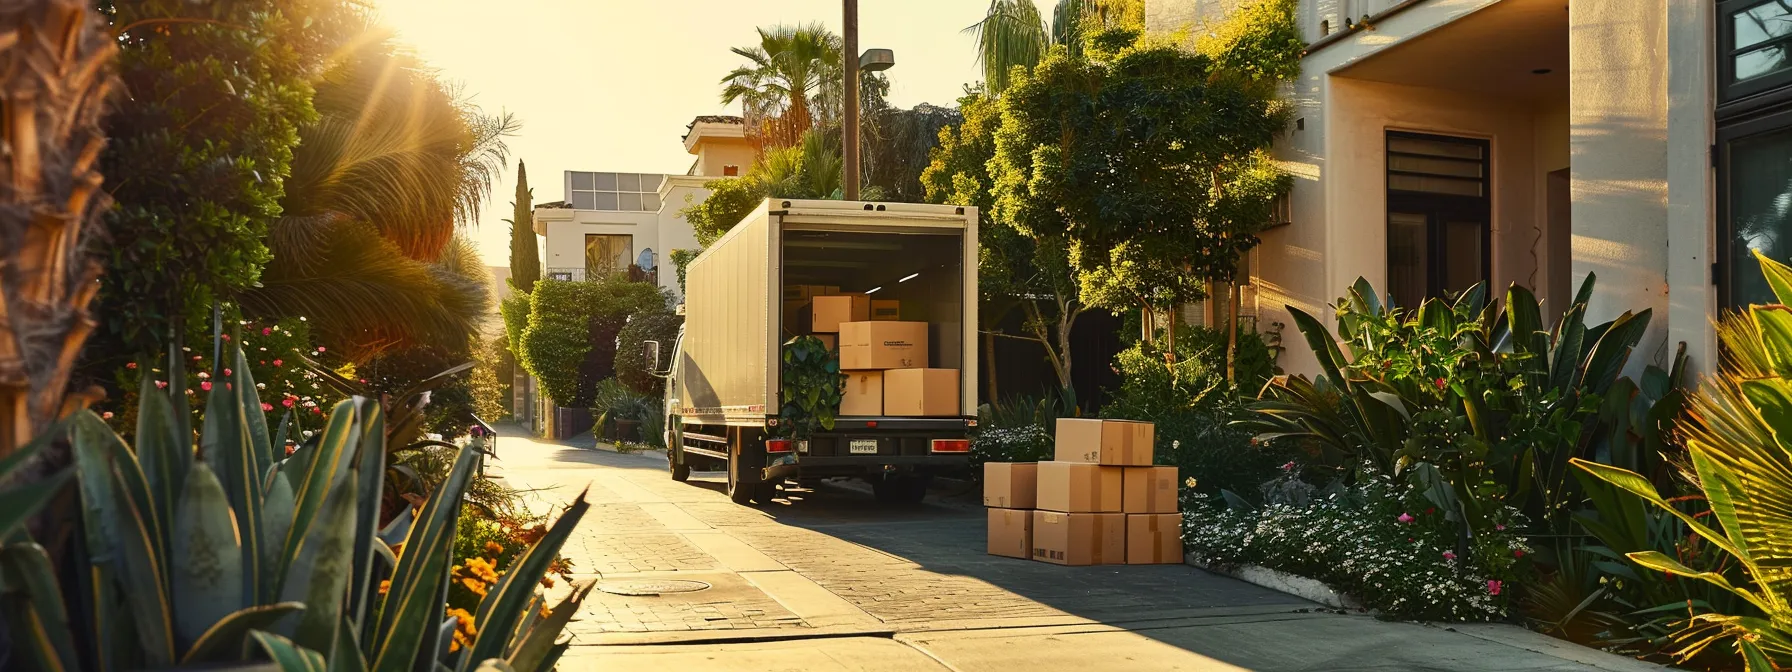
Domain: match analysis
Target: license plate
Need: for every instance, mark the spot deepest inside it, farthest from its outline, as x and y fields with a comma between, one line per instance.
x=862, y=447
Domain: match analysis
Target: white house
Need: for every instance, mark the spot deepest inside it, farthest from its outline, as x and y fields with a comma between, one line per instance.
x=611, y=221
x=1443, y=142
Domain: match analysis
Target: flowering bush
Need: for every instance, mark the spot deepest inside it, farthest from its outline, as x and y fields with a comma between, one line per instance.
x=1380, y=542
x=1026, y=443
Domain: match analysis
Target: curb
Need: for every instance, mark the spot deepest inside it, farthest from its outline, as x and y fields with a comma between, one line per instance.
x=1299, y=586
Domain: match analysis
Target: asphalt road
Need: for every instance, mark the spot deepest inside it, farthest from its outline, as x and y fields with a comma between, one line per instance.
x=827, y=579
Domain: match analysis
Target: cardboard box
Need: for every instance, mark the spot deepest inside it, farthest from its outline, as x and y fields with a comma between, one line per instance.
x=795, y=322
x=1148, y=489
x=826, y=313
x=1077, y=487
x=866, y=345
x=921, y=392
x=1120, y=443
x=1154, y=539
x=1010, y=485
x=830, y=340
x=864, y=393
x=886, y=310
x=1011, y=532
x=1079, y=538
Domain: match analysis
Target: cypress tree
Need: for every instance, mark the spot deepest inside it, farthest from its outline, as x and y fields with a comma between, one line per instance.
x=525, y=264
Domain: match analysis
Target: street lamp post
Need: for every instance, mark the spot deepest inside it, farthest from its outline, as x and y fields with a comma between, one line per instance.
x=873, y=60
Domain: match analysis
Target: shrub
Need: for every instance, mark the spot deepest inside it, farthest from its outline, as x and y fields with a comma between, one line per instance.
x=1380, y=542
x=633, y=371
x=1204, y=446
x=570, y=342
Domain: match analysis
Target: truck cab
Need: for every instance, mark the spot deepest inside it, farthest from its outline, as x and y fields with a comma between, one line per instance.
x=755, y=289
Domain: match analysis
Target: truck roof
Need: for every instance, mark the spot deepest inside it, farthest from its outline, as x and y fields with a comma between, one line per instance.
x=791, y=206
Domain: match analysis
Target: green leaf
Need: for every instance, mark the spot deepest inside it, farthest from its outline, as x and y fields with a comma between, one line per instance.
x=539, y=642
x=1660, y=562
x=224, y=443
x=164, y=456
x=36, y=618
x=255, y=420
x=140, y=564
x=498, y=617
x=206, y=560
x=19, y=503
x=1775, y=325
x=415, y=594
x=370, y=470
x=276, y=510
x=1630, y=482
x=1779, y=277
x=319, y=575
x=329, y=465
x=224, y=640
x=290, y=657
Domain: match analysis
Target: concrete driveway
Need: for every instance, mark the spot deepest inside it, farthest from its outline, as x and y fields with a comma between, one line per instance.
x=830, y=580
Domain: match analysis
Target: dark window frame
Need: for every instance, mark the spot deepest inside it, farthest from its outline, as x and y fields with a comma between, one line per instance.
x=1728, y=133
x=1741, y=97
x=1432, y=204
x=1742, y=111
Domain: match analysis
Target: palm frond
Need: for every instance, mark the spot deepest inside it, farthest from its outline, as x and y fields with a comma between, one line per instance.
x=1011, y=34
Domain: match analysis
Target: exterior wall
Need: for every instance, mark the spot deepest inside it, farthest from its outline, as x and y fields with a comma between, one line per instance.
x=565, y=232
x=1618, y=113
x=712, y=157
x=1691, y=236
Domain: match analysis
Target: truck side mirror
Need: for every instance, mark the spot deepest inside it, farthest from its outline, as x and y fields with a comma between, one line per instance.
x=650, y=355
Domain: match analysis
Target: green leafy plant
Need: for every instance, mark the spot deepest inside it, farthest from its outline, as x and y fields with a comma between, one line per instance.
x=196, y=556
x=812, y=387
x=1736, y=440
x=569, y=344
x=631, y=369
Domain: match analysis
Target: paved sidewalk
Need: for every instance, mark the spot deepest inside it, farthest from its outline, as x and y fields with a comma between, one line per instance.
x=827, y=579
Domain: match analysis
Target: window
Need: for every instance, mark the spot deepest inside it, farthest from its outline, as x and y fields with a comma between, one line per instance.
x=1439, y=215
x=624, y=192
x=607, y=255
x=730, y=171
x=1754, y=145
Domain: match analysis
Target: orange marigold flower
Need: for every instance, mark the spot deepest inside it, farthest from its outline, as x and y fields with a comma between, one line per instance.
x=474, y=585
x=385, y=585
x=483, y=569
x=493, y=549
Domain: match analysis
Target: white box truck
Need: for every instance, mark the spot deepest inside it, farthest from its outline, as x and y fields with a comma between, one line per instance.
x=722, y=396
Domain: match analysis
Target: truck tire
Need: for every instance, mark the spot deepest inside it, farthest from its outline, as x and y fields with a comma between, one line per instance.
x=680, y=472
x=900, y=490
x=738, y=492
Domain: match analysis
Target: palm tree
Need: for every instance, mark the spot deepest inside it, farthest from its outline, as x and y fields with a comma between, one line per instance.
x=793, y=83
x=366, y=246
x=56, y=57
x=1013, y=33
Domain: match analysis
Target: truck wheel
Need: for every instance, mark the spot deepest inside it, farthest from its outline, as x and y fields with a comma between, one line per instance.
x=680, y=472
x=738, y=492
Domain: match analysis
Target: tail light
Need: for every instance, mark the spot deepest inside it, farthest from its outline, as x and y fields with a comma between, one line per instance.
x=951, y=445
x=777, y=445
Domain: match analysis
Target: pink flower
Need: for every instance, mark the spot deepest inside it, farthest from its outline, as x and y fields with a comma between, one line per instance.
x=287, y=402
x=276, y=362
x=161, y=384
x=203, y=375
x=265, y=406
x=224, y=336
x=1289, y=466
x=195, y=358
x=107, y=415
x=320, y=348
x=1405, y=518
x=227, y=372
x=1449, y=555
x=318, y=411
x=1499, y=527
x=1493, y=586
x=1439, y=382
x=265, y=331
x=207, y=386
x=1517, y=552
x=130, y=365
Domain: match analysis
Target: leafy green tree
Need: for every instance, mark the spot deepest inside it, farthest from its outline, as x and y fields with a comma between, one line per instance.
x=197, y=162
x=1016, y=269
x=1149, y=160
x=525, y=260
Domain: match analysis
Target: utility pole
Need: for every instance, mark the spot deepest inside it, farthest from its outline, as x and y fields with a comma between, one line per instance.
x=850, y=124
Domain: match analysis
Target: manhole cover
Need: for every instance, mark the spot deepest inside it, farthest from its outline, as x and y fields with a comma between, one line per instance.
x=651, y=587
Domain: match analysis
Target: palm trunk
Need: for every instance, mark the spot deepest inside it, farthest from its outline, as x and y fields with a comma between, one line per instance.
x=55, y=55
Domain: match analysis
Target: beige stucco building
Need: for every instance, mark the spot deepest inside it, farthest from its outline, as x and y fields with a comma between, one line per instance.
x=611, y=221
x=1443, y=142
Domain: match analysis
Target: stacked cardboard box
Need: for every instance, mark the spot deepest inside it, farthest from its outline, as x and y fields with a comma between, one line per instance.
x=885, y=359
x=1098, y=502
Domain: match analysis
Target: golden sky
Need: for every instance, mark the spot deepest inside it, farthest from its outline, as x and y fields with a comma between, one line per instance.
x=608, y=85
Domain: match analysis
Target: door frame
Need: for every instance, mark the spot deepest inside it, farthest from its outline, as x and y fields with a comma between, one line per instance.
x=1437, y=207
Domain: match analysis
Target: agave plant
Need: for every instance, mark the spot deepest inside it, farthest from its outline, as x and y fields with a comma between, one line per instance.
x=1479, y=401
x=208, y=555
x=1738, y=436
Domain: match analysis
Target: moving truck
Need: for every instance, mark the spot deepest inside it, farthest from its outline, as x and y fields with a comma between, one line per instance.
x=762, y=284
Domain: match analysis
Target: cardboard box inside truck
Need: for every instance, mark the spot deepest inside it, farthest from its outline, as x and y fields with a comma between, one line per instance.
x=1010, y=485
x=827, y=313
x=1125, y=443
x=866, y=345
x=921, y=392
x=1011, y=532
x=1079, y=538
x=886, y=310
x=1154, y=539
x=1077, y=487
x=864, y=393
x=1149, y=489
x=806, y=292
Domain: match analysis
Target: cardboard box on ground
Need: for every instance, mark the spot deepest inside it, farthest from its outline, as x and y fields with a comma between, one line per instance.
x=1079, y=538
x=1010, y=485
x=1153, y=538
x=1011, y=532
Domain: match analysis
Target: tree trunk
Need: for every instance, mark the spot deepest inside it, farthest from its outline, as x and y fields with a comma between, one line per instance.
x=1067, y=314
x=55, y=56
x=989, y=367
x=1232, y=334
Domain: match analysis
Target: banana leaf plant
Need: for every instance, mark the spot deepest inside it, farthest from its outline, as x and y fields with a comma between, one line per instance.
x=1479, y=402
x=225, y=551
x=1738, y=435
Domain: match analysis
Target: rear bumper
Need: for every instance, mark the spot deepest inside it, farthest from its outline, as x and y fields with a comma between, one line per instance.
x=904, y=445
x=790, y=466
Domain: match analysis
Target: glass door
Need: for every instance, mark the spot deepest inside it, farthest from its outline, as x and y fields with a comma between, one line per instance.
x=1439, y=215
